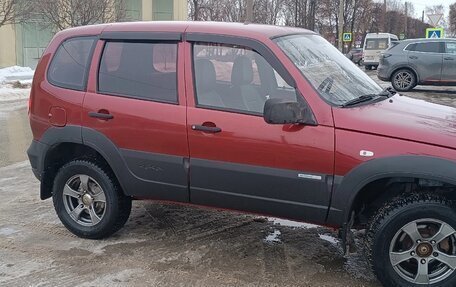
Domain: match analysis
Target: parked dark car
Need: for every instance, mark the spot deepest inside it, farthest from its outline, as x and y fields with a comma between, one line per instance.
x=419, y=62
x=262, y=119
x=356, y=56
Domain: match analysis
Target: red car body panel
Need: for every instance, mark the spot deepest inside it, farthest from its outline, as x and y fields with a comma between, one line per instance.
x=138, y=124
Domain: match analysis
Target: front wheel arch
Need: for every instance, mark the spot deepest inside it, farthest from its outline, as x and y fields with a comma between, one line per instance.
x=407, y=167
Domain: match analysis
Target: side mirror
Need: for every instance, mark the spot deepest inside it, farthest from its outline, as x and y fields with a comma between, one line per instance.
x=278, y=111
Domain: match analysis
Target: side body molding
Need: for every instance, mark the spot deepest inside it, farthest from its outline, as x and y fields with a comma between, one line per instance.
x=425, y=167
x=130, y=168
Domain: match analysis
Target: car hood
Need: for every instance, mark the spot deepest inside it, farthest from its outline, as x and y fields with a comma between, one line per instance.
x=402, y=117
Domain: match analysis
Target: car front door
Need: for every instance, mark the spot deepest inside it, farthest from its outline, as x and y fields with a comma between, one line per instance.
x=427, y=58
x=135, y=115
x=449, y=62
x=239, y=161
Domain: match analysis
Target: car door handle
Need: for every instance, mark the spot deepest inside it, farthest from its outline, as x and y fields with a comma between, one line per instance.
x=449, y=58
x=103, y=116
x=413, y=57
x=206, y=129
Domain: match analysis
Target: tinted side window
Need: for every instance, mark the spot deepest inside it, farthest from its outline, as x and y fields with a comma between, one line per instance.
x=236, y=78
x=430, y=47
x=139, y=70
x=70, y=66
x=411, y=47
x=450, y=47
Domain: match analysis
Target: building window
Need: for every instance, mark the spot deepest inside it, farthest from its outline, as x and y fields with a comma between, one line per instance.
x=139, y=70
x=162, y=10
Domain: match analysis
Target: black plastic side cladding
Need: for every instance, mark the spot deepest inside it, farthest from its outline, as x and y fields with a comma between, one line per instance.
x=409, y=166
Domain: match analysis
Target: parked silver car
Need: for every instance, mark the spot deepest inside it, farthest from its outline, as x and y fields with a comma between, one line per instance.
x=419, y=62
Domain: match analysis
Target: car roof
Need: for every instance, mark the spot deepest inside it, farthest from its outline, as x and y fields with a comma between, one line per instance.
x=419, y=40
x=221, y=28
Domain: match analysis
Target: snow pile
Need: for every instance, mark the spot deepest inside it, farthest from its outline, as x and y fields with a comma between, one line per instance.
x=16, y=73
x=15, y=84
x=10, y=94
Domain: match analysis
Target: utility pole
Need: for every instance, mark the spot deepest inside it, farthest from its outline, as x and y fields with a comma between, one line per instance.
x=422, y=17
x=341, y=24
x=384, y=16
x=249, y=11
x=311, y=25
x=406, y=19
x=296, y=13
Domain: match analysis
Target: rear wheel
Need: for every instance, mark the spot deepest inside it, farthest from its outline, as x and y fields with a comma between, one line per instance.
x=412, y=242
x=89, y=201
x=403, y=80
x=368, y=68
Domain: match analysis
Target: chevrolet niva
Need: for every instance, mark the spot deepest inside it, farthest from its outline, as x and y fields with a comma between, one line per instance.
x=262, y=119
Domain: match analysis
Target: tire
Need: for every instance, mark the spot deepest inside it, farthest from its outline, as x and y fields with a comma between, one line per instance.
x=403, y=80
x=368, y=68
x=386, y=238
x=89, y=201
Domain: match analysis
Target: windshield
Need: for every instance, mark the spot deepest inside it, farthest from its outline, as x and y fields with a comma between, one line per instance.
x=336, y=78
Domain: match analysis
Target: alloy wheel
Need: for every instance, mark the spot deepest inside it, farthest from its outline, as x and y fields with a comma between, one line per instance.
x=403, y=80
x=84, y=200
x=424, y=251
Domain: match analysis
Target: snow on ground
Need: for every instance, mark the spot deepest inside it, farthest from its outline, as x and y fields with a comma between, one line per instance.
x=273, y=237
x=10, y=94
x=16, y=73
x=329, y=238
x=15, y=85
x=290, y=223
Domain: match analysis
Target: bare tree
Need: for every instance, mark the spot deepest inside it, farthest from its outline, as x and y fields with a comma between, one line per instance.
x=62, y=14
x=14, y=11
x=452, y=20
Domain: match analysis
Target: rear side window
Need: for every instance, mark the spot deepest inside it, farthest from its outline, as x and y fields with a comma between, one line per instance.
x=429, y=47
x=139, y=70
x=70, y=66
x=411, y=47
x=450, y=48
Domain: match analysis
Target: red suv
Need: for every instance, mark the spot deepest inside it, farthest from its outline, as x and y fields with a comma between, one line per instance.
x=263, y=119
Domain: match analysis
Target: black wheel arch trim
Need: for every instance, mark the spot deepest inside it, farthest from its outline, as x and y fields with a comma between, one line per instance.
x=130, y=183
x=407, y=166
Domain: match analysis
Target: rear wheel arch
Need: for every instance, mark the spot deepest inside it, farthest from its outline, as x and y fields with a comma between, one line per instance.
x=60, y=154
x=76, y=142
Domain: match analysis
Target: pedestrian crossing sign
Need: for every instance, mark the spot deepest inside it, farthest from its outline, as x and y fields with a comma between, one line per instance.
x=347, y=37
x=434, y=33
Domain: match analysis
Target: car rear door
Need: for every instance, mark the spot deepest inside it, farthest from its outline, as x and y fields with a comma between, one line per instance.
x=134, y=113
x=427, y=58
x=449, y=62
x=237, y=160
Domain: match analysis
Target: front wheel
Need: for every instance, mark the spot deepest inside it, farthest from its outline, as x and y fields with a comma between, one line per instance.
x=412, y=242
x=403, y=80
x=89, y=201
